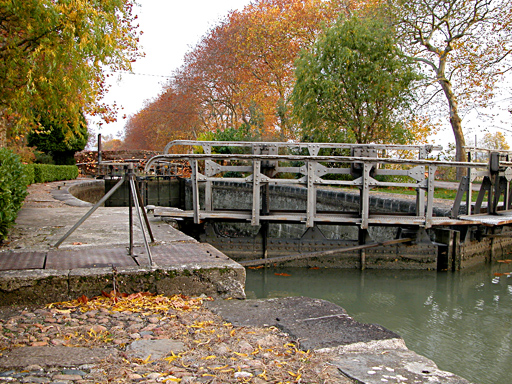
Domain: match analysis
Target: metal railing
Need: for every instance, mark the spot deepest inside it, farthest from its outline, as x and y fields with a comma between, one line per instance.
x=273, y=148
x=495, y=182
x=364, y=172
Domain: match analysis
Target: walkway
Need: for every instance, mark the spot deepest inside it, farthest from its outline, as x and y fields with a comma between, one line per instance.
x=100, y=248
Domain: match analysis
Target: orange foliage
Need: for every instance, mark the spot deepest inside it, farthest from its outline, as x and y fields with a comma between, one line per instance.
x=241, y=72
x=172, y=116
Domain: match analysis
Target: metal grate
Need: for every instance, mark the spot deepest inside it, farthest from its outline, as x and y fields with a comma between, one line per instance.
x=89, y=258
x=21, y=260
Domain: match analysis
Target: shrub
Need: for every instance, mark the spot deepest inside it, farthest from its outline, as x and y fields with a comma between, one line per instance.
x=44, y=173
x=13, y=189
x=29, y=172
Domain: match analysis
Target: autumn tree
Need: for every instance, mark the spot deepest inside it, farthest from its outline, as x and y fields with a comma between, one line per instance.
x=464, y=45
x=242, y=71
x=494, y=141
x=49, y=136
x=354, y=85
x=111, y=143
x=269, y=36
x=173, y=115
x=52, y=57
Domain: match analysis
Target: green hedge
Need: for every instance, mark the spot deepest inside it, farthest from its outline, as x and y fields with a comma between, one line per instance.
x=44, y=173
x=14, y=180
x=29, y=172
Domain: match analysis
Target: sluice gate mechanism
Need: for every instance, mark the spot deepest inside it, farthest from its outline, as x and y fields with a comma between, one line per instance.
x=315, y=203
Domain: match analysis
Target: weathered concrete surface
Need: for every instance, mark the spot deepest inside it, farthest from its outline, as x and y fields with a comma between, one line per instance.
x=64, y=191
x=391, y=363
x=316, y=323
x=83, y=264
x=45, y=286
x=157, y=349
x=54, y=356
x=366, y=353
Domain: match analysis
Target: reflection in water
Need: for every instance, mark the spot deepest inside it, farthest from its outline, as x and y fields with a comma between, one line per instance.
x=462, y=321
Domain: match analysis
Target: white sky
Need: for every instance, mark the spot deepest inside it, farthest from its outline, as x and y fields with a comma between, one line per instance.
x=173, y=27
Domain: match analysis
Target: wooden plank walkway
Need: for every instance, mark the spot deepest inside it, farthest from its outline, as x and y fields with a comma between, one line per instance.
x=323, y=218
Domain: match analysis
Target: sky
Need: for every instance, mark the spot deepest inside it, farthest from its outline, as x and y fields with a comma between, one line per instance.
x=170, y=29
x=173, y=27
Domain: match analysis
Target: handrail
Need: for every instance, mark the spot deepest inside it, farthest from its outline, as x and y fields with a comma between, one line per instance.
x=327, y=159
x=262, y=169
x=361, y=170
x=312, y=147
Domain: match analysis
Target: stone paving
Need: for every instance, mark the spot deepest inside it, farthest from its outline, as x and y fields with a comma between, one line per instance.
x=158, y=340
x=33, y=270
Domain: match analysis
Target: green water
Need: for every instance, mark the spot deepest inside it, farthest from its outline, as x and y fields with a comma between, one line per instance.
x=462, y=321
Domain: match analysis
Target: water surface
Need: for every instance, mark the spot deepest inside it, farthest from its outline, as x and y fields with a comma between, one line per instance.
x=462, y=321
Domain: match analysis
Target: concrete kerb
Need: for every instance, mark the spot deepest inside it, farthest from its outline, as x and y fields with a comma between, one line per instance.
x=37, y=286
x=64, y=191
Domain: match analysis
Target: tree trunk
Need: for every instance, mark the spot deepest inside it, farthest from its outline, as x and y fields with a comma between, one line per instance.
x=456, y=123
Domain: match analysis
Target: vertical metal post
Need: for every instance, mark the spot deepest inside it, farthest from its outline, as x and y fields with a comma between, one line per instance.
x=99, y=148
x=99, y=153
x=129, y=174
x=365, y=196
x=430, y=196
x=469, y=190
x=256, y=192
x=311, y=195
x=420, y=193
x=141, y=206
x=208, y=190
x=135, y=199
x=195, y=190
